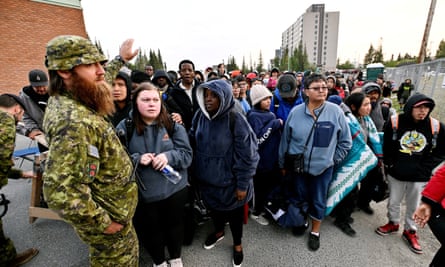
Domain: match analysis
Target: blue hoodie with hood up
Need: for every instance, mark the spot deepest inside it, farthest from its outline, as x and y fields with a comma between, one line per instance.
x=226, y=153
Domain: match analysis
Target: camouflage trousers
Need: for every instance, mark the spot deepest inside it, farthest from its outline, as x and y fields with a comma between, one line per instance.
x=120, y=249
x=7, y=249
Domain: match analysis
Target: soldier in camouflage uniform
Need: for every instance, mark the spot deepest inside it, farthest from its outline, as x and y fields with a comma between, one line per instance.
x=11, y=111
x=88, y=175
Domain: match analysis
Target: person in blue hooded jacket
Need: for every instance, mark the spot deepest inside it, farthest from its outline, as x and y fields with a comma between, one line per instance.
x=286, y=96
x=226, y=158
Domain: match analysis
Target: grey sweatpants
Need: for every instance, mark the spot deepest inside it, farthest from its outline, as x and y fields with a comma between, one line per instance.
x=397, y=191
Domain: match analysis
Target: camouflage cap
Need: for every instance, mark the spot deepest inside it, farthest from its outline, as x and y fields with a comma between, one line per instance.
x=64, y=52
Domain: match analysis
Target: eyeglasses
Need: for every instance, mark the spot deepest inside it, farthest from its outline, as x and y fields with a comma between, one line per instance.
x=324, y=88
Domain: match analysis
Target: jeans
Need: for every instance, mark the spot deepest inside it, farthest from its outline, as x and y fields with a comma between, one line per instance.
x=314, y=191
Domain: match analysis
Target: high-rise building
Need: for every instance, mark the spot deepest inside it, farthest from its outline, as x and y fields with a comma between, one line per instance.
x=317, y=30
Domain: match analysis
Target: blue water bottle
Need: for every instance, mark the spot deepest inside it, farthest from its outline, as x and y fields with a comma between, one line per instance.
x=171, y=174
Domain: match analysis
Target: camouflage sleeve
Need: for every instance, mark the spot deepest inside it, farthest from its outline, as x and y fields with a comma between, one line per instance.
x=7, y=140
x=68, y=179
x=112, y=69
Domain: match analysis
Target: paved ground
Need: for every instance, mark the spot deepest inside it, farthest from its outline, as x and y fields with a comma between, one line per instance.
x=263, y=245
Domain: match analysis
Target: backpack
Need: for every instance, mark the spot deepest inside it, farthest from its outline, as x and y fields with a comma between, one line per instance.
x=435, y=127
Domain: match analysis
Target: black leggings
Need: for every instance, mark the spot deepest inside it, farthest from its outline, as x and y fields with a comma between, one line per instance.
x=437, y=226
x=234, y=217
x=160, y=224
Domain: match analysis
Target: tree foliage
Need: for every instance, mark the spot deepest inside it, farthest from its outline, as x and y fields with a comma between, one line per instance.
x=440, y=53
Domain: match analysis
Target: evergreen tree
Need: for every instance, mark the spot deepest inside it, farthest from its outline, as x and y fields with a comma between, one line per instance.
x=369, y=56
x=259, y=67
x=440, y=53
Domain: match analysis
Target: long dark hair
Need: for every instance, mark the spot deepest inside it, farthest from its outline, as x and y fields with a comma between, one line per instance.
x=163, y=119
x=356, y=100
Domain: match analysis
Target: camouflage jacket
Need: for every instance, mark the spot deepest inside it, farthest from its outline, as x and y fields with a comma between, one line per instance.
x=87, y=173
x=7, y=142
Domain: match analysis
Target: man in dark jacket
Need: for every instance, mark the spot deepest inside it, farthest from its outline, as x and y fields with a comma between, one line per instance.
x=122, y=97
x=35, y=97
x=183, y=96
x=411, y=151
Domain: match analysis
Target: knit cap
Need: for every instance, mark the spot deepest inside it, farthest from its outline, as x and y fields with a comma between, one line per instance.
x=259, y=92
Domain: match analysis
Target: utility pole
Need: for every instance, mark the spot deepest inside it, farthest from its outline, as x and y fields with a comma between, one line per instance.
x=426, y=34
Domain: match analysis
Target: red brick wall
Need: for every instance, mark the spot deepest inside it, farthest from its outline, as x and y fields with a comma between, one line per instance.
x=25, y=29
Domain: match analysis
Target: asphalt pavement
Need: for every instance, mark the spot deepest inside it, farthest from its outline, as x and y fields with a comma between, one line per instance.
x=263, y=245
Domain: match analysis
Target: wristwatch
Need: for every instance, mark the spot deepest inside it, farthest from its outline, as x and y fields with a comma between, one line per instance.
x=120, y=59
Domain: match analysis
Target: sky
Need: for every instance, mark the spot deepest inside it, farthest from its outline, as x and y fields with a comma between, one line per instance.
x=209, y=32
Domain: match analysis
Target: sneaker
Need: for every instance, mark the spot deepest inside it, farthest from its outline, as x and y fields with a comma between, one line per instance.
x=164, y=264
x=300, y=230
x=175, y=262
x=24, y=257
x=345, y=228
x=212, y=240
x=411, y=238
x=389, y=228
x=260, y=219
x=238, y=257
x=314, y=241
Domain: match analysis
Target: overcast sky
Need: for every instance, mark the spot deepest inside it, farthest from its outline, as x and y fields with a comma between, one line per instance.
x=208, y=32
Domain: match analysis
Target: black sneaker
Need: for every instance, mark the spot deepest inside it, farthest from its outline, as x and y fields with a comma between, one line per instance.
x=212, y=240
x=314, y=242
x=345, y=228
x=238, y=257
x=300, y=230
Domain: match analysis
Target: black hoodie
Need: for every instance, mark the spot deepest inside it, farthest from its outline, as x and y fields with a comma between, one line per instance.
x=121, y=114
x=411, y=156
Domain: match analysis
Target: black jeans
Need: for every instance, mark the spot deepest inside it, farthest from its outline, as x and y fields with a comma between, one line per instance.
x=346, y=206
x=160, y=224
x=437, y=226
x=234, y=217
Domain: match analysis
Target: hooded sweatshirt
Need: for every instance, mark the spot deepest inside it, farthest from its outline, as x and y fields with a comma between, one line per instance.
x=411, y=157
x=226, y=153
x=121, y=114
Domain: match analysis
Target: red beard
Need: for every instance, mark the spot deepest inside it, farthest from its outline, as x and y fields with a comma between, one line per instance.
x=96, y=96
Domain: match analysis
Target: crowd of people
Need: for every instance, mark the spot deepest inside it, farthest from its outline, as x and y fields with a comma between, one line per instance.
x=144, y=145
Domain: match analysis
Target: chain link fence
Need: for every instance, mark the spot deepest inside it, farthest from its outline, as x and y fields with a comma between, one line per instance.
x=428, y=78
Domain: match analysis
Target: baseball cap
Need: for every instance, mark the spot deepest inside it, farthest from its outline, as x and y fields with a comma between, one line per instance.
x=425, y=102
x=64, y=52
x=287, y=85
x=38, y=78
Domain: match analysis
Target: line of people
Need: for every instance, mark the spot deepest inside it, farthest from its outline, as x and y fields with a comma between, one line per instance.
x=232, y=142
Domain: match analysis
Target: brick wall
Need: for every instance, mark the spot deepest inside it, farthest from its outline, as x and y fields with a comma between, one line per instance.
x=25, y=29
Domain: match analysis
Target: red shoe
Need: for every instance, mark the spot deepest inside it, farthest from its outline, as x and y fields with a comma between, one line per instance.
x=411, y=238
x=389, y=228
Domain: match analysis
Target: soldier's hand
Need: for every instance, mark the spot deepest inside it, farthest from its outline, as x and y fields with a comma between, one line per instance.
x=29, y=174
x=126, y=50
x=113, y=228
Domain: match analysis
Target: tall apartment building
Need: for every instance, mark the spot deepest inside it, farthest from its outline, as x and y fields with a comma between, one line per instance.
x=318, y=32
x=26, y=26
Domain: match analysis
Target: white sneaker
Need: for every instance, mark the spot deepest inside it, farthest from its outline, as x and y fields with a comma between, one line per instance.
x=164, y=264
x=260, y=219
x=175, y=262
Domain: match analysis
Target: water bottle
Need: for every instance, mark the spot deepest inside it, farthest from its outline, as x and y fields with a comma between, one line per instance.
x=171, y=175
